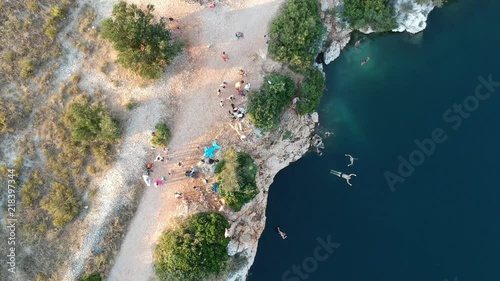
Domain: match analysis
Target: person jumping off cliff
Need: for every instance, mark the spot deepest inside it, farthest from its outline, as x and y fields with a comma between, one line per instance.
x=351, y=159
x=282, y=234
x=342, y=175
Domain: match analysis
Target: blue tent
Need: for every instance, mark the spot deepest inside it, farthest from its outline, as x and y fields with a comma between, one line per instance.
x=209, y=151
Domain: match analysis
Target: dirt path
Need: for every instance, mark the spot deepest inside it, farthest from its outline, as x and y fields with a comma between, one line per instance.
x=186, y=97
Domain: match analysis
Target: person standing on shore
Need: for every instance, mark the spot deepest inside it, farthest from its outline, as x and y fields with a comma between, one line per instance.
x=225, y=57
x=238, y=85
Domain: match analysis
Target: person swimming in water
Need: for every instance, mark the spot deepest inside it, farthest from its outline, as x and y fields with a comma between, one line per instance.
x=282, y=234
x=356, y=45
x=351, y=159
x=365, y=61
x=342, y=175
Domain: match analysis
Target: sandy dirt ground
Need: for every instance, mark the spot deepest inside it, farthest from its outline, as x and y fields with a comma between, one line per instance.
x=187, y=98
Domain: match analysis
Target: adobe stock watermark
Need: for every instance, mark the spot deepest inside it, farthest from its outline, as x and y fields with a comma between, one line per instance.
x=310, y=264
x=453, y=116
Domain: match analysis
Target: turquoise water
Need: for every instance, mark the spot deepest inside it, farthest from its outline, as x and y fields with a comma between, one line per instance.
x=443, y=221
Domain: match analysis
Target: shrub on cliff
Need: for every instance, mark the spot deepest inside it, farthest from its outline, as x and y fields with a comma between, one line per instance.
x=311, y=92
x=267, y=104
x=195, y=250
x=236, y=176
x=143, y=46
x=295, y=34
x=377, y=14
x=161, y=135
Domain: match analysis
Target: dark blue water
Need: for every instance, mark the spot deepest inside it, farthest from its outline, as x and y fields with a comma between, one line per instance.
x=443, y=221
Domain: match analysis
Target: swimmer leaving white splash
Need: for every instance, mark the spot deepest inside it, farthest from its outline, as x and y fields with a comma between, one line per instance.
x=351, y=159
x=342, y=175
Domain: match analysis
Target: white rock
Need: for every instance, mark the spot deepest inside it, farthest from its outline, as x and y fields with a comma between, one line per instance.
x=367, y=30
x=324, y=5
x=413, y=21
x=340, y=36
x=315, y=117
x=332, y=52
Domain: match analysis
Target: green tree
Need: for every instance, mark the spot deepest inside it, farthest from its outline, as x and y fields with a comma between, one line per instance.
x=61, y=204
x=295, y=34
x=196, y=249
x=267, y=105
x=143, y=46
x=162, y=135
x=236, y=176
x=93, y=277
x=91, y=123
x=311, y=92
x=377, y=14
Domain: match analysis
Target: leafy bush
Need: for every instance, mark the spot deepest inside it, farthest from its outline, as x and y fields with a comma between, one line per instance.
x=27, y=67
x=377, y=14
x=4, y=127
x=267, y=105
x=144, y=47
x=55, y=15
x=29, y=191
x=131, y=104
x=93, y=277
x=439, y=3
x=197, y=249
x=57, y=12
x=61, y=204
x=162, y=135
x=236, y=176
x=295, y=34
x=90, y=123
x=311, y=92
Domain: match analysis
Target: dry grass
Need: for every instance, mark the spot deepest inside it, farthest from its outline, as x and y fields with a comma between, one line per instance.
x=25, y=24
x=56, y=158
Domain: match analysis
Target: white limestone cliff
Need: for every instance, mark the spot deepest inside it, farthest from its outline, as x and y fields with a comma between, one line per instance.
x=410, y=17
x=339, y=33
x=271, y=152
x=414, y=20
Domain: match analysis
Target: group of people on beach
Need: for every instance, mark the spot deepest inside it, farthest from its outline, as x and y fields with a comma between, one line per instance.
x=242, y=88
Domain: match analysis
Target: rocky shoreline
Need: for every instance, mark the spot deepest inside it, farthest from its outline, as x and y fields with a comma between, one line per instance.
x=274, y=152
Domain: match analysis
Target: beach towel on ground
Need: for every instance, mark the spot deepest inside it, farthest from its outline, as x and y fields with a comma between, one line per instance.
x=209, y=152
x=215, y=145
x=147, y=180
